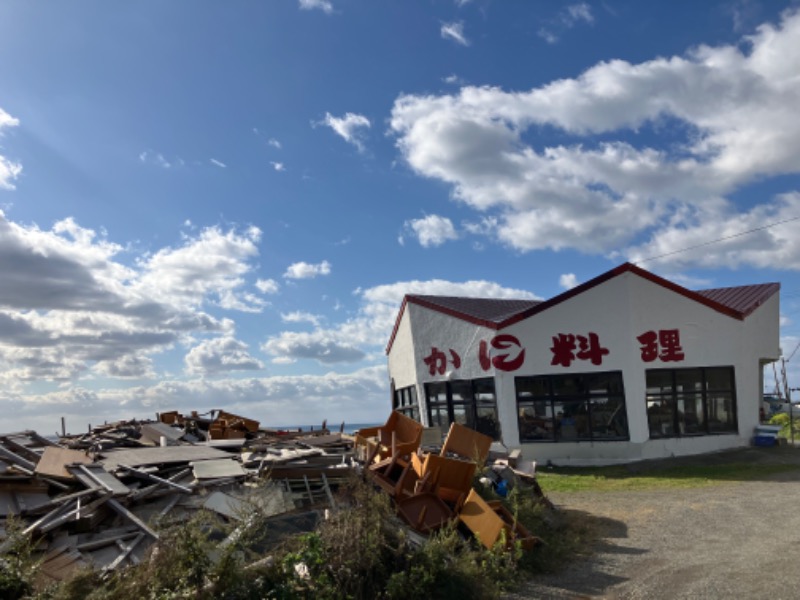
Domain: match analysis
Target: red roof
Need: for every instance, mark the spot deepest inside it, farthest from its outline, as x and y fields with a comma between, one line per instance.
x=493, y=313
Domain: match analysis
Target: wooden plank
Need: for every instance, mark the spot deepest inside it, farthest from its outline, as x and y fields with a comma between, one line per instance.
x=16, y=459
x=125, y=553
x=115, y=504
x=54, y=461
x=139, y=457
x=216, y=469
x=156, y=479
x=95, y=475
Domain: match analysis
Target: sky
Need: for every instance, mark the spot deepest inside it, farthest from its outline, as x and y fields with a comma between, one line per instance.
x=222, y=204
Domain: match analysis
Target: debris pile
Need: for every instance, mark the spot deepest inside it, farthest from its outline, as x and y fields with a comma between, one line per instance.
x=98, y=499
x=434, y=487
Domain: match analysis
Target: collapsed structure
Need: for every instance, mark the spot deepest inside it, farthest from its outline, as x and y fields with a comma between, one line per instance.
x=100, y=499
x=627, y=366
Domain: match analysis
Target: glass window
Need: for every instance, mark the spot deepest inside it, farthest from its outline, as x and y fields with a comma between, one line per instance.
x=687, y=402
x=572, y=408
x=469, y=402
x=405, y=401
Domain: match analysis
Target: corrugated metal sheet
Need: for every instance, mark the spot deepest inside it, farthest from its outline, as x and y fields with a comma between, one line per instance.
x=493, y=310
x=742, y=298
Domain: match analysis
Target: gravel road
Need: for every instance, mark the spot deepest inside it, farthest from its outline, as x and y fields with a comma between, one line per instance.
x=738, y=539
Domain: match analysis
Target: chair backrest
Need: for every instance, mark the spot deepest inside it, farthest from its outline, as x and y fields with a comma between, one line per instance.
x=406, y=429
x=467, y=443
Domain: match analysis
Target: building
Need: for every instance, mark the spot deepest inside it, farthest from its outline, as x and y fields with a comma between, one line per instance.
x=627, y=366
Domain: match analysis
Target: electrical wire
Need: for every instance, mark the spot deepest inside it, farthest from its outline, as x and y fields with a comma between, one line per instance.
x=722, y=239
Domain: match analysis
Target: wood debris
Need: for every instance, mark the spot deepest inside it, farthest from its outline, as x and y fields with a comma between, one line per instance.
x=97, y=499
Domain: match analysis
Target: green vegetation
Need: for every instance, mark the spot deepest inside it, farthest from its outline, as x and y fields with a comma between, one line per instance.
x=622, y=478
x=783, y=421
x=360, y=552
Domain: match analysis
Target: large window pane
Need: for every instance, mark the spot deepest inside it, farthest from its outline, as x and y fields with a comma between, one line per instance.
x=609, y=419
x=659, y=382
x=691, y=417
x=688, y=380
x=701, y=402
x=535, y=422
x=721, y=413
x=572, y=408
x=533, y=387
x=719, y=379
x=661, y=416
x=467, y=402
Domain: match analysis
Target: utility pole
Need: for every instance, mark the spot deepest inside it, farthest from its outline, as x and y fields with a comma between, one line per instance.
x=791, y=416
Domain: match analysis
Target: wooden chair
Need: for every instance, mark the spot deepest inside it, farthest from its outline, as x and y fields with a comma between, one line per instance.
x=488, y=520
x=448, y=478
x=467, y=443
x=400, y=435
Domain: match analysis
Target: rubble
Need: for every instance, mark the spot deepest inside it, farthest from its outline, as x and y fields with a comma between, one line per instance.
x=98, y=499
x=432, y=487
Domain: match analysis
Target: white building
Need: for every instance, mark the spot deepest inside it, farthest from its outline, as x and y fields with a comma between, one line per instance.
x=627, y=366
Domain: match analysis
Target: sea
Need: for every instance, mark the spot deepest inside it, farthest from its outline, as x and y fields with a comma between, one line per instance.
x=349, y=428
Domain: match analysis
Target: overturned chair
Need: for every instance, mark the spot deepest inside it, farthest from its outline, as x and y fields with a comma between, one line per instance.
x=399, y=436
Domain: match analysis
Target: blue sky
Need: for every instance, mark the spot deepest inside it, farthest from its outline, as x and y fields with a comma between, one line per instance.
x=215, y=204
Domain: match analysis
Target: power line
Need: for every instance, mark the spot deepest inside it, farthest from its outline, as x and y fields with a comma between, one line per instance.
x=722, y=239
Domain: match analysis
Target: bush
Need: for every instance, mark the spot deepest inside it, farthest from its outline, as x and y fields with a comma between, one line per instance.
x=17, y=568
x=782, y=420
x=360, y=552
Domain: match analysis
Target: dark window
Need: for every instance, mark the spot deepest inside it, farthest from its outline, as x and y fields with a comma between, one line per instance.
x=570, y=408
x=688, y=402
x=470, y=402
x=405, y=401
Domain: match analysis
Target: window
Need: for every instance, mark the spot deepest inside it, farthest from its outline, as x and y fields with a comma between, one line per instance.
x=572, y=408
x=689, y=402
x=470, y=402
x=405, y=401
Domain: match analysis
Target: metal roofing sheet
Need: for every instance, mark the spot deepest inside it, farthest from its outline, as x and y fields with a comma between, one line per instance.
x=742, y=298
x=493, y=310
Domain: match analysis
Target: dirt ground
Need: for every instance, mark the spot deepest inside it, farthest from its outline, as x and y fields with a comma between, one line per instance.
x=738, y=539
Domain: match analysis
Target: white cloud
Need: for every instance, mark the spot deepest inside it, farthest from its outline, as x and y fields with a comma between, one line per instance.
x=69, y=308
x=453, y=79
x=568, y=281
x=300, y=317
x=218, y=163
x=368, y=331
x=278, y=166
x=156, y=158
x=9, y=170
x=579, y=12
x=267, y=286
x=349, y=128
x=566, y=19
x=274, y=143
x=454, y=31
x=432, y=230
x=325, y=6
x=220, y=355
x=353, y=397
x=303, y=270
x=736, y=106
x=316, y=345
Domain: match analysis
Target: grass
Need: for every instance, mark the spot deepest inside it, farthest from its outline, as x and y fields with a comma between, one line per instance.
x=622, y=478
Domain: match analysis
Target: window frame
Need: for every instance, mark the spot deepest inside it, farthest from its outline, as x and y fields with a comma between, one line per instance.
x=406, y=401
x=563, y=407
x=443, y=408
x=708, y=391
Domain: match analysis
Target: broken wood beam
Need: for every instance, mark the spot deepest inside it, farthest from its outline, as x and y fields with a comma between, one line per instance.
x=155, y=479
x=119, y=508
